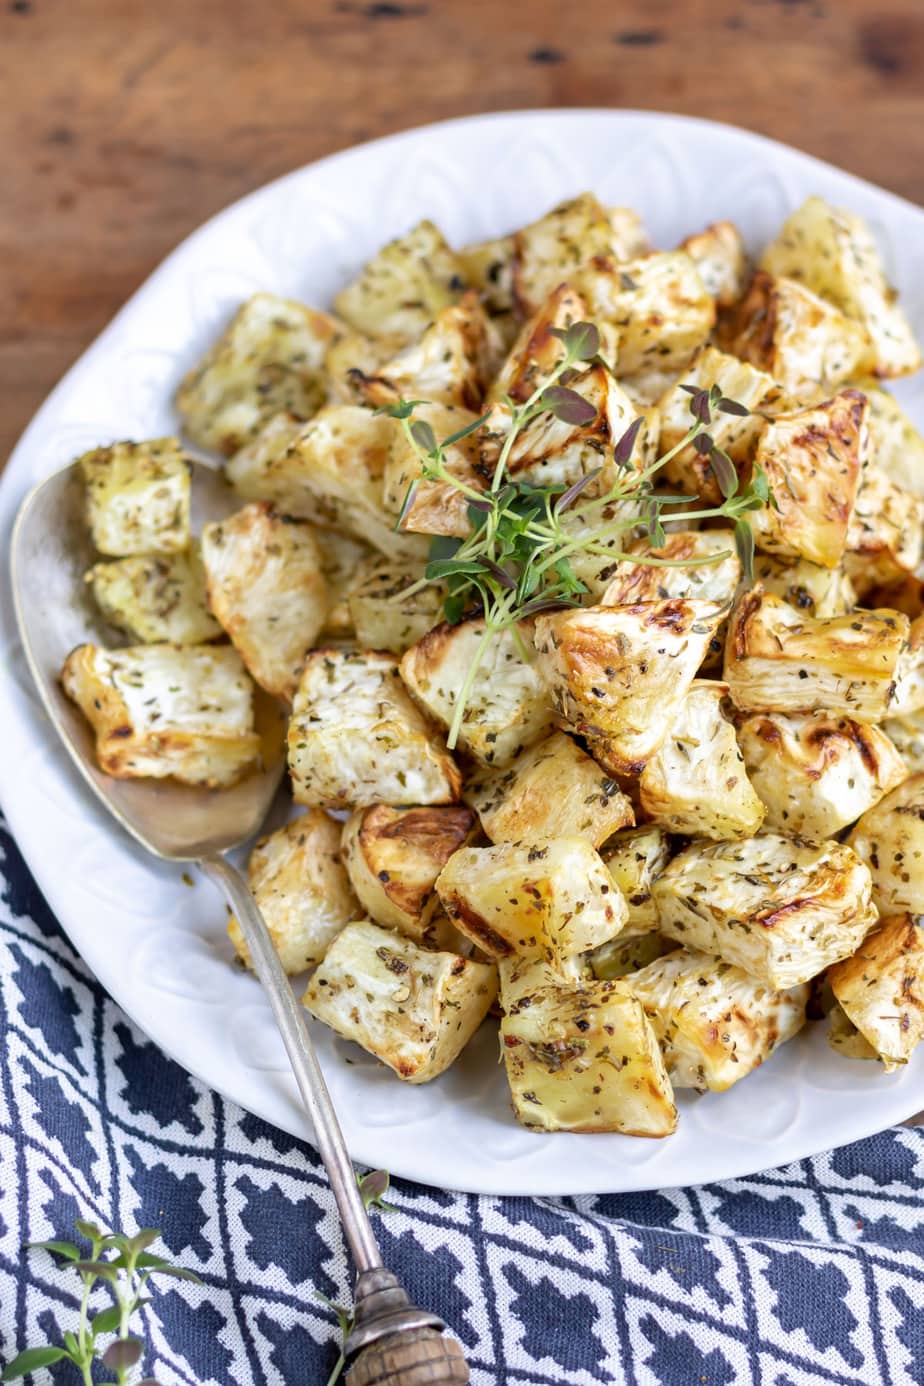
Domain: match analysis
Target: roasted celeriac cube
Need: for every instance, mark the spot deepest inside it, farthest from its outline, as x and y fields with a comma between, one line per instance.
x=890, y=839
x=302, y=890
x=585, y=1058
x=885, y=538
x=488, y=267
x=394, y=855
x=800, y=340
x=156, y=599
x=414, y=1009
x=508, y=706
x=538, y=348
x=331, y=471
x=719, y=255
x=815, y=771
x=356, y=737
x=382, y=618
x=342, y=557
x=906, y=734
x=400, y=291
x=896, y=445
x=880, y=989
x=628, y=237
x=137, y=497
x=714, y=1022
x=552, y=451
x=658, y=304
x=521, y=976
x=550, y=900
x=266, y=586
x=733, y=433
x=551, y=790
x=623, y=955
x=451, y=363
x=813, y=459
x=622, y=671
x=550, y=250
x=707, y=568
x=634, y=858
x=779, y=908
x=433, y=507
x=646, y=387
x=834, y=253
x=909, y=682
x=352, y=359
x=696, y=782
x=806, y=586
x=269, y=359
x=777, y=657
x=184, y=711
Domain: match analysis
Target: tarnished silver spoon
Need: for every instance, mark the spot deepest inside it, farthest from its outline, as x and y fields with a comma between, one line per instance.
x=392, y=1343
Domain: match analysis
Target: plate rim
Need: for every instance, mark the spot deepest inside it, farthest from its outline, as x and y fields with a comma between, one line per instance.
x=54, y=890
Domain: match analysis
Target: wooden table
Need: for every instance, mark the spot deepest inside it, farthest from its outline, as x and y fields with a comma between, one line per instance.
x=123, y=125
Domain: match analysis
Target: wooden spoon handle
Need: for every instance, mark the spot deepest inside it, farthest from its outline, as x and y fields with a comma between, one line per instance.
x=422, y=1357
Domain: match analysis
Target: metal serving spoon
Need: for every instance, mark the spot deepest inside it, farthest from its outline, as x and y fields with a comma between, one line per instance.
x=392, y=1343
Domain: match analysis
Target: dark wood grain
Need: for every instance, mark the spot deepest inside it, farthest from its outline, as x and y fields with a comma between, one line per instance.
x=122, y=125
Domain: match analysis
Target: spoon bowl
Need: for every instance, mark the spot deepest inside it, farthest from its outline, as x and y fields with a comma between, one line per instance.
x=50, y=554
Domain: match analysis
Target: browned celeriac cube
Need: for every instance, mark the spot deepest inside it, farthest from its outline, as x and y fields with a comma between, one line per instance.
x=777, y=658
x=621, y=673
x=357, y=738
x=715, y=1023
x=550, y=900
x=658, y=304
x=696, y=782
x=890, y=839
x=552, y=789
x=550, y=250
x=813, y=459
x=302, y=890
x=777, y=907
x=817, y=772
x=393, y=857
x=885, y=538
x=880, y=990
x=585, y=1058
x=414, y=1009
x=399, y=292
x=719, y=255
x=265, y=581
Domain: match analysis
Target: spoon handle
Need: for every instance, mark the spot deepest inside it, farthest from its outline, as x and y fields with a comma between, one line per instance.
x=290, y=1017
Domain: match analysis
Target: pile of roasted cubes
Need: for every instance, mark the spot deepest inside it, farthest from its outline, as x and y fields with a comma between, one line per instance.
x=678, y=817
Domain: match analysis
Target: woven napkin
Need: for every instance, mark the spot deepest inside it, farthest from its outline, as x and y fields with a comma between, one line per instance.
x=805, y=1276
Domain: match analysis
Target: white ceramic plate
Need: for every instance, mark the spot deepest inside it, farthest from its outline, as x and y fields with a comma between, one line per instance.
x=159, y=947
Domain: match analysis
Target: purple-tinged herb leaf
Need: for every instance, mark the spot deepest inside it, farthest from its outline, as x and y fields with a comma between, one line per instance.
x=423, y=435
x=744, y=544
x=715, y=394
x=731, y=406
x=626, y=445
x=568, y=406
x=581, y=340
x=700, y=407
x=499, y=574
x=89, y=1230
x=572, y=493
x=704, y=443
x=484, y=507
x=407, y=503
x=123, y=1353
x=724, y=471
x=626, y=281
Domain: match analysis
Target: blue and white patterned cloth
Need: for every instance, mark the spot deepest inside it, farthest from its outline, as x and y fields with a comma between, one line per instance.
x=807, y=1276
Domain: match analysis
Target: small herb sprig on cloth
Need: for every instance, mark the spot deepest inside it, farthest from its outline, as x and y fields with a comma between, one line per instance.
x=517, y=560
x=125, y=1274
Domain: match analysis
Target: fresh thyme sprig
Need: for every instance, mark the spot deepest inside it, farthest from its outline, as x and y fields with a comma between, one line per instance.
x=517, y=560
x=125, y=1275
